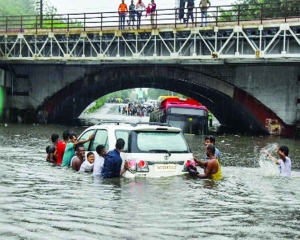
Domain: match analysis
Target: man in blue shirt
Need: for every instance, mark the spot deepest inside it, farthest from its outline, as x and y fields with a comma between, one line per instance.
x=113, y=162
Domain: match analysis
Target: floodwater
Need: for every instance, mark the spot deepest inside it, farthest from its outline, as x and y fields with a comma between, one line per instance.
x=42, y=201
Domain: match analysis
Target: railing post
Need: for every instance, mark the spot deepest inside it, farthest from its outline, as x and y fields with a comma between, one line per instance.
x=21, y=23
x=155, y=25
x=68, y=25
x=175, y=17
x=196, y=17
x=285, y=11
x=6, y=23
x=101, y=21
x=261, y=13
x=84, y=22
x=239, y=12
x=52, y=23
x=36, y=23
x=217, y=16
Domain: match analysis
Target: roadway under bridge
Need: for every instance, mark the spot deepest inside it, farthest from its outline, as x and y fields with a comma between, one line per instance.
x=246, y=74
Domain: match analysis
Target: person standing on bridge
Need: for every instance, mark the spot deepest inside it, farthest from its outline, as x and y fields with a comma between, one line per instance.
x=204, y=5
x=132, y=13
x=190, y=12
x=140, y=7
x=152, y=13
x=122, y=14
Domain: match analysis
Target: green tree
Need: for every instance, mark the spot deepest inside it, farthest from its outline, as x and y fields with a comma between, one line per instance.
x=245, y=10
x=17, y=7
x=16, y=14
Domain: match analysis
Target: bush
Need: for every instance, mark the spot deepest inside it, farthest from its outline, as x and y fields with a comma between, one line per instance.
x=99, y=103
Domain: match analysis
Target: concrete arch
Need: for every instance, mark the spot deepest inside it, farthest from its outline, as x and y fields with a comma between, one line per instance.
x=231, y=106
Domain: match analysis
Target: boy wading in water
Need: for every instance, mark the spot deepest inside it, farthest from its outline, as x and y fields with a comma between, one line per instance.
x=284, y=161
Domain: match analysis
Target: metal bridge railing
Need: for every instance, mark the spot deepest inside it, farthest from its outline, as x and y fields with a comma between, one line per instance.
x=217, y=15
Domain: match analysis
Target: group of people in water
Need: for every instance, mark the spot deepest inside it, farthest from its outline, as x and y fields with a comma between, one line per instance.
x=71, y=152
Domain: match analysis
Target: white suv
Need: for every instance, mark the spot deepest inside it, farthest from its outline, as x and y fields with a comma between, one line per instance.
x=152, y=149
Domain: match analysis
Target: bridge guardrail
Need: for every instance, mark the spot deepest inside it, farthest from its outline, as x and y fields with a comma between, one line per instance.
x=217, y=15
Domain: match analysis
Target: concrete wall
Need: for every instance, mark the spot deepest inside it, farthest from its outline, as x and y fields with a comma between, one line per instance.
x=43, y=81
x=274, y=86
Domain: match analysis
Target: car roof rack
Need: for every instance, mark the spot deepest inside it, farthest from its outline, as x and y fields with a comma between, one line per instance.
x=113, y=122
x=134, y=124
x=153, y=123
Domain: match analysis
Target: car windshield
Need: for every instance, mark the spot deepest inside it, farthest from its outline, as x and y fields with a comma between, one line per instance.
x=173, y=142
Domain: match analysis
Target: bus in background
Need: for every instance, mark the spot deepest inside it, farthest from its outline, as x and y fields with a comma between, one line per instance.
x=185, y=113
x=161, y=98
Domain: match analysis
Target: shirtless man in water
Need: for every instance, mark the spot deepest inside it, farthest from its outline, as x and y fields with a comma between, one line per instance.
x=79, y=158
x=212, y=166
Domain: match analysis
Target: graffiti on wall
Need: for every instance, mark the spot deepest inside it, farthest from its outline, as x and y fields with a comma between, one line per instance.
x=273, y=126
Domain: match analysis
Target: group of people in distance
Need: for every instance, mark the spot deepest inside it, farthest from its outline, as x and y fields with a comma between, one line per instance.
x=136, y=10
x=204, y=5
x=71, y=152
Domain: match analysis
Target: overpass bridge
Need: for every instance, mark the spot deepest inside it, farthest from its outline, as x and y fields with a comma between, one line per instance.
x=244, y=69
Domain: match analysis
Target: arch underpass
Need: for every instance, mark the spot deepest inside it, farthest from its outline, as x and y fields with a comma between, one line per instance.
x=233, y=107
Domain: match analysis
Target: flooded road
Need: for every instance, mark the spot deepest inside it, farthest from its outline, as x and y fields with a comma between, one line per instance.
x=42, y=201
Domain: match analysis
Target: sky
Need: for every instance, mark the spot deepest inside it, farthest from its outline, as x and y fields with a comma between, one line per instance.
x=85, y=6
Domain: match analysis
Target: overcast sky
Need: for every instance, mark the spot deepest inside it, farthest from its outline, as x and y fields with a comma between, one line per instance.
x=72, y=6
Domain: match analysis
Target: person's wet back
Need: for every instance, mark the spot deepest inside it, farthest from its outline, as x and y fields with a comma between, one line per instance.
x=113, y=162
x=51, y=150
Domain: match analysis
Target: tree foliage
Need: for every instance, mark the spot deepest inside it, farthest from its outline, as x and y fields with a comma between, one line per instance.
x=245, y=10
x=17, y=7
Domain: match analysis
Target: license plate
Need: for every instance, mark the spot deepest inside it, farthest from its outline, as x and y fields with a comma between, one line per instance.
x=165, y=167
